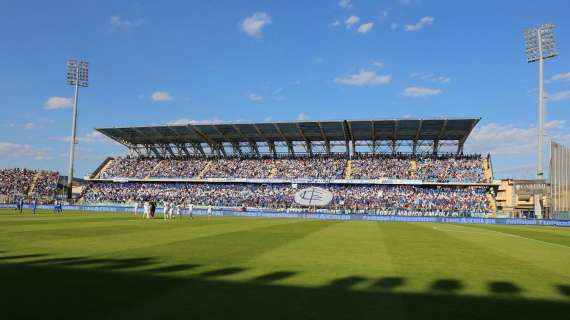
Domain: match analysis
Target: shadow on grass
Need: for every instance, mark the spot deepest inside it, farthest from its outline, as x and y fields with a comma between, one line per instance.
x=447, y=285
x=80, y=287
x=502, y=287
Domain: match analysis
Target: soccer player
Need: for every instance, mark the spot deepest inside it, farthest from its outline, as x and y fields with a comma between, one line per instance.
x=136, y=207
x=165, y=209
x=146, y=210
x=60, y=206
x=190, y=207
x=171, y=210
x=209, y=210
x=34, y=205
x=178, y=211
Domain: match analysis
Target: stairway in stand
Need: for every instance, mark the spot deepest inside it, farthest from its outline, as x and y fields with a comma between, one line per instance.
x=413, y=168
x=273, y=172
x=348, y=170
x=105, y=166
x=30, y=190
x=206, y=167
x=487, y=170
x=153, y=169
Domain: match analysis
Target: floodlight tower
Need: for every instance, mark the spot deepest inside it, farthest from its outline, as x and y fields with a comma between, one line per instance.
x=78, y=76
x=540, y=45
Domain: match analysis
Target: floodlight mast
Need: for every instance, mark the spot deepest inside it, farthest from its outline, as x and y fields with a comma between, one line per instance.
x=77, y=76
x=540, y=45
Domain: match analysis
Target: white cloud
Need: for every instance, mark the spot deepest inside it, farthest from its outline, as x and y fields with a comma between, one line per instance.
x=561, y=77
x=345, y=4
x=118, y=24
x=335, y=23
x=255, y=97
x=364, y=78
x=253, y=26
x=424, y=22
x=514, y=140
x=350, y=21
x=302, y=116
x=420, y=92
x=364, y=28
x=555, y=124
x=88, y=138
x=559, y=96
x=184, y=121
x=14, y=150
x=160, y=96
x=58, y=103
x=378, y=64
x=94, y=137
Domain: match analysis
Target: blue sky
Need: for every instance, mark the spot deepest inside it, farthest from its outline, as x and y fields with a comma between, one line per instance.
x=178, y=61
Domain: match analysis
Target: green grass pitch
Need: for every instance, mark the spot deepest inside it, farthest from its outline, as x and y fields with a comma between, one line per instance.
x=118, y=266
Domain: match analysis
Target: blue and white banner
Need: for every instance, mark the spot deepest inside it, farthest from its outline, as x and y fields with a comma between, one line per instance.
x=322, y=216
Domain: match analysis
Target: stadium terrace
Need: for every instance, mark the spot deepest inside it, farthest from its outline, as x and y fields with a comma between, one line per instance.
x=410, y=167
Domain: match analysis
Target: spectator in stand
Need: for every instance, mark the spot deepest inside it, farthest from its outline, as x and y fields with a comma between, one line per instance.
x=385, y=199
x=451, y=169
x=28, y=182
x=381, y=166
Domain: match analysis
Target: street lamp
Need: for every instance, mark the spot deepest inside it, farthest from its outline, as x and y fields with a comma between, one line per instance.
x=78, y=76
x=540, y=45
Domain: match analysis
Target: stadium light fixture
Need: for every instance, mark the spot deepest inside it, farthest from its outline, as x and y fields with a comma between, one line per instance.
x=539, y=46
x=77, y=76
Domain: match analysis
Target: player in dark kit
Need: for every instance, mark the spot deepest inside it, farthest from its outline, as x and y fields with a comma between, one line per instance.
x=152, y=208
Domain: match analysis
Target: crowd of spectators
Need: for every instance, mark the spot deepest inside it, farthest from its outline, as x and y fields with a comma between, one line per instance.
x=22, y=182
x=45, y=184
x=354, y=198
x=428, y=168
x=15, y=180
x=381, y=166
x=450, y=169
x=240, y=168
x=178, y=168
x=129, y=167
x=319, y=167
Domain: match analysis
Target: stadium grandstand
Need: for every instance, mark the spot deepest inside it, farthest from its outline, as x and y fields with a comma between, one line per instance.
x=26, y=183
x=406, y=167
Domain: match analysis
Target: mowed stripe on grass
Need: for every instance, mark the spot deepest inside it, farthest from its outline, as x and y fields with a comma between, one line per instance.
x=276, y=257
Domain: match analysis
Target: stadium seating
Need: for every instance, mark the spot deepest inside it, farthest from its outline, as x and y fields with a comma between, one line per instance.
x=427, y=168
x=370, y=198
x=26, y=182
x=354, y=197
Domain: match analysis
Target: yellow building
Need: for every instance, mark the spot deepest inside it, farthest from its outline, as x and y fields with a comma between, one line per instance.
x=515, y=198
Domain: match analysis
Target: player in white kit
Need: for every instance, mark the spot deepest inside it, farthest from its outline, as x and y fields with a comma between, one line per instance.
x=171, y=210
x=190, y=208
x=146, y=208
x=178, y=211
x=165, y=209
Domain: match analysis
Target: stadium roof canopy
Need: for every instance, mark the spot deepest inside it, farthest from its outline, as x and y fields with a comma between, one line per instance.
x=221, y=139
